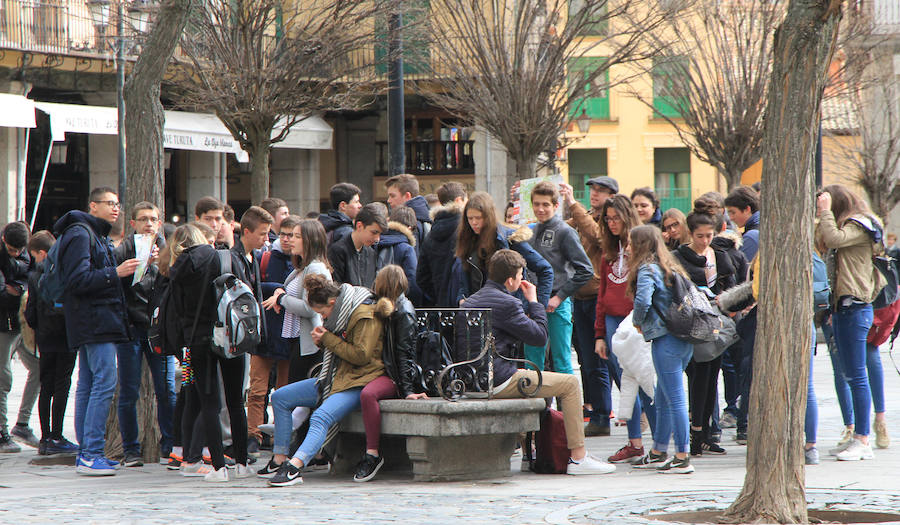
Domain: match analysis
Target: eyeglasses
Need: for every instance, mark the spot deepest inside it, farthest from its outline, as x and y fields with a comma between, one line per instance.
x=612, y=218
x=111, y=204
x=672, y=226
x=288, y=235
x=143, y=219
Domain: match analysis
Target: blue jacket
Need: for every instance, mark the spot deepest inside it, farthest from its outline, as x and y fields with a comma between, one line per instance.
x=397, y=246
x=651, y=297
x=278, y=268
x=336, y=224
x=94, y=301
x=471, y=276
x=423, y=218
x=751, y=237
x=511, y=326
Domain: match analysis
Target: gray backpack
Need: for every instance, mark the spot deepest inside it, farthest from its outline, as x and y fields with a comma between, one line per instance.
x=238, y=326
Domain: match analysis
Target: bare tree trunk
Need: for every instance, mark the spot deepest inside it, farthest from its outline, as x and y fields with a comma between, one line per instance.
x=774, y=484
x=148, y=431
x=144, y=112
x=733, y=178
x=525, y=169
x=259, y=169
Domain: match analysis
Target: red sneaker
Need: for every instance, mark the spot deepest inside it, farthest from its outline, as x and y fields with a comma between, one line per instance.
x=626, y=454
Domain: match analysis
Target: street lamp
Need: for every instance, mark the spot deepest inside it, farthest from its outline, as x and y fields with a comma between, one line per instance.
x=584, y=122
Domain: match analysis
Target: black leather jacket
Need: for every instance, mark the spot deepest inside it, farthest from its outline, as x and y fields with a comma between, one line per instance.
x=399, y=353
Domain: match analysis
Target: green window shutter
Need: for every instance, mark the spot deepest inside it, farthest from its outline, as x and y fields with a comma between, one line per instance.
x=416, y=51
x=672, y=167
x=598, y=25
x=585, y=164
x=666, y=103
x=597, y=106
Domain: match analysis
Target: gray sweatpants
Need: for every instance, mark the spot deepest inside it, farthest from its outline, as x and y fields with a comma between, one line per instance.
x=11, y=342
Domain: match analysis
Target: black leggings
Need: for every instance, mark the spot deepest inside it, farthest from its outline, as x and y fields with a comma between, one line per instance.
x=206, y=403
x=702, y=386
x=56, y=378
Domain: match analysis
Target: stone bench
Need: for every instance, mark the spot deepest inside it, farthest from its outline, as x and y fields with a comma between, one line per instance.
x=440, y=440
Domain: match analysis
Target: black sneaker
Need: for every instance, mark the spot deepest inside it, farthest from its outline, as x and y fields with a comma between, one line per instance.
x=368, y=467
x=712, y=448
x=173, y=464
x=319, y=462
x=676, y=466
x=42, y=448
x=133, y=459
x=741, y=437
x=269, y=470
x=252, y=446
x=286, y=476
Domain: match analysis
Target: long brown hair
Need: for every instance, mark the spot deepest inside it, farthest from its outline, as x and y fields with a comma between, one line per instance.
x=630, y=219
x=648, y=246
x=315, y=244
x=485, y=244
x=845, y=203
x=182, y=238
x=390, y=284
x=678, y=216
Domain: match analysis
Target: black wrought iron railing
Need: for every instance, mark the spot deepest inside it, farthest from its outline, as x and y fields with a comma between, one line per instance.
x=455, y=354
x=432, y=157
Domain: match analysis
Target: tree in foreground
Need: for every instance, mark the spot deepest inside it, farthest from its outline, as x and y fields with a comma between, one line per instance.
x=523, y=70
x=263, y=66
x=774, y=485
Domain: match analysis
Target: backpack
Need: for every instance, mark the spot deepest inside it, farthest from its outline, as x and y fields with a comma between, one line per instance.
x=890, y=293
x=385, y=257
x=550, y=454
x=432, y=355
x=690, y=317
x=52, y=285
x=264, y=264
x=821, y=288
x=165, y=331
x=238, y=326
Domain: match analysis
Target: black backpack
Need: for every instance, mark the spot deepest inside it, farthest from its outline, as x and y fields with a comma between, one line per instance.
x=690, y=317
x=432, y=355
x=166, y=329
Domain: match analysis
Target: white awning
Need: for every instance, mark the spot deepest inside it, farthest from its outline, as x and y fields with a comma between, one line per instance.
x=310, y=133
x=16, y=111
x=182, y=129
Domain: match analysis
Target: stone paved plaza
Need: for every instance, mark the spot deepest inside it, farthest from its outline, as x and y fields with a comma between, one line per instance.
x=32, y=494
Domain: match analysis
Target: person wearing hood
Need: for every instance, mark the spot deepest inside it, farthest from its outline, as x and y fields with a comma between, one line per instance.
x=848, y=227
x=436, y=255
x=479, y=237
x=345, y=204
x=647, y=206
x=559, y=245
x=96, y=318
x=403, y=190
x=397, y=246
x=742, y=205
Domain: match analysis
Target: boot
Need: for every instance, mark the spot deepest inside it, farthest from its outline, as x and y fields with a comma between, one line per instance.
x=697, y=438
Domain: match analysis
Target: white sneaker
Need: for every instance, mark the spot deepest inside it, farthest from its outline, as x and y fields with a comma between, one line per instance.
x=588, y=466
x=843, y=442
x=217, y=476
x=242, y=471
x=856, y=451
x=193, y=470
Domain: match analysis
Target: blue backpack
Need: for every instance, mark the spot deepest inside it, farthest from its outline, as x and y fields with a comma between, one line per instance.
x=52, y=285
x=821, y=288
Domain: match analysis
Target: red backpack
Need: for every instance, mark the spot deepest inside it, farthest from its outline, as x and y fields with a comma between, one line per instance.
x=550, y=446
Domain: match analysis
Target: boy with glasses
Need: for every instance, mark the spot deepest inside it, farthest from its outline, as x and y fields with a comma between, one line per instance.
x=96, y=319
x=145, y=223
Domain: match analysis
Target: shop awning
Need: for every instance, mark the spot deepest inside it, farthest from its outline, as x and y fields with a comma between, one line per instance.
x=17, y=111
x=182, y=129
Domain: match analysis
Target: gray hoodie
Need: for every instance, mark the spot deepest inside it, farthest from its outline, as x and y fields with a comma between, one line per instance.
x=558, y=243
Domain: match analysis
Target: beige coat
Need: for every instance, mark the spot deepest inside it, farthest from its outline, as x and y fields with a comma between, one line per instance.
x=360, y=353
x=854, y=272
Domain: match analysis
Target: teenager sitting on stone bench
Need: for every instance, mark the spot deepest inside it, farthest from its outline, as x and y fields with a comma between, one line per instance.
x=513, y=326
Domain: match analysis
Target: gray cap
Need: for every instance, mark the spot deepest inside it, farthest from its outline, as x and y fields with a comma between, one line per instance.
x=604, y=182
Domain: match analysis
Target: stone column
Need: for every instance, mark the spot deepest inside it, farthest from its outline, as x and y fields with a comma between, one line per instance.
x=9, y=168
x=294, y=177
x=103, y=161
x=205, y=172
x=490, y=167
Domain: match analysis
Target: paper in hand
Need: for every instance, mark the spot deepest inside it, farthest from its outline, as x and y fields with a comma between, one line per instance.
x=143, y=243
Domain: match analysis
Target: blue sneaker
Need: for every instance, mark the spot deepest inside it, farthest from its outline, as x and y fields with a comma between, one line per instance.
x=58, y=446
x=98, y=466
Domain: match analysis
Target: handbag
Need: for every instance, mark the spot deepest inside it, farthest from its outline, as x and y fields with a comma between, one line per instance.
x=726, y=336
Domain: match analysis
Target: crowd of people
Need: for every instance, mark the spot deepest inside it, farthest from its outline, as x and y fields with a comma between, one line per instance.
x=338, y=292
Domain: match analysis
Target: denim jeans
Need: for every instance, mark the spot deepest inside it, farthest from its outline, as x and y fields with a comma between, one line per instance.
x=305, y=394
x=96, y=386
x=162, y=370
x=812, y=408
x=841, y=388
x=670, y=357
x=731, y=377
x=851, y=326
x=559, y=328
x=594, y=372
x=643, y=402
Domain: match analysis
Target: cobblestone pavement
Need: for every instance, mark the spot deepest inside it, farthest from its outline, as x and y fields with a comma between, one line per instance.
x=150, y=494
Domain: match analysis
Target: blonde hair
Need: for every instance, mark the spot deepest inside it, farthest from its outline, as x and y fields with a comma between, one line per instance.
x=182, y=238
x=648, y=247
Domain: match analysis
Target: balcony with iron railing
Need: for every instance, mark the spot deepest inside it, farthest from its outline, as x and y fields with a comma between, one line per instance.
x=430, y=157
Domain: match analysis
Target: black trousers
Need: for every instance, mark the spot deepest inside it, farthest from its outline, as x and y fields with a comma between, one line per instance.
x=56, y=379
x=205, y=402
x=702, y=382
